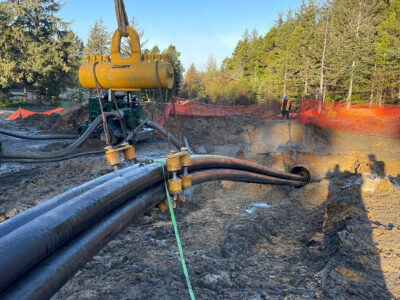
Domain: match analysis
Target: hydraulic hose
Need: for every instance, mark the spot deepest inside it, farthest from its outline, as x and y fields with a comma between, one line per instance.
x=61, y=152
x=50, y=275
x=65, y=157
x=162, y=130
x=38, y=137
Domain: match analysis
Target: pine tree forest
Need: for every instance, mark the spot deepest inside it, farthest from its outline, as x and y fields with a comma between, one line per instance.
x=337, y=50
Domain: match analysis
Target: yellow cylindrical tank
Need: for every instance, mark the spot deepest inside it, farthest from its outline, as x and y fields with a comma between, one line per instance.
x=127, y=73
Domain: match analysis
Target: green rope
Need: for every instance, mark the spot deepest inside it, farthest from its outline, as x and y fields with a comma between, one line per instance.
x=178, y=240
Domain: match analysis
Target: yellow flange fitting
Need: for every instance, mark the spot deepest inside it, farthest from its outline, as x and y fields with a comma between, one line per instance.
x=129, y=153
x=185, y=158
x=173, y=162
x=175, y=186
x=112, y=157
x=186, y=181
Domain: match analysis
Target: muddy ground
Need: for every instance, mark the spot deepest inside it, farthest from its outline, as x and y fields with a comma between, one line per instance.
x=336, y=238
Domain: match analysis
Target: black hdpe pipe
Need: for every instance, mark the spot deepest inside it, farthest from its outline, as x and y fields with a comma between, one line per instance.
x=216, y=161
x=28, y=244
x=32, y=242
x=38, y=137
x=61, y=152
x=34, y=212
x=199, y=162
x=50, y=275
x=164, y=132
x=65, y=157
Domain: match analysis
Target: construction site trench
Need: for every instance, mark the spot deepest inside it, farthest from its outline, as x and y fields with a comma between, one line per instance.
x=336, y=238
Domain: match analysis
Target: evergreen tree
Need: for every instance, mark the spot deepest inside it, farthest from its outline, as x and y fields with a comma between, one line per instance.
x=38, y=50
x=99, y=40
x=173, y=57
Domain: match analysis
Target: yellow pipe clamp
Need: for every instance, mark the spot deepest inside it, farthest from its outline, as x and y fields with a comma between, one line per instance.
x=127, y=74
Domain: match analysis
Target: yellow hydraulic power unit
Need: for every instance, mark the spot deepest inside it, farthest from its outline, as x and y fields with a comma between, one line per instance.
x=127, y=74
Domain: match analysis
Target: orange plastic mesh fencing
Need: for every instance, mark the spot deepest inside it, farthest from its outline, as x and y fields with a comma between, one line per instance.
x=186, y=107
x=49, y=112
x=20, y=113
x=381, y=120
x=23, y=113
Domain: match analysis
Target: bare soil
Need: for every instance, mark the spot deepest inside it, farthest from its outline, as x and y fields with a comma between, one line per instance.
x=336, y=238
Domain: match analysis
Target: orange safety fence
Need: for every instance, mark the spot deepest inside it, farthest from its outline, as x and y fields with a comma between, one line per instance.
x=186, y=107
x=23, y=113
x=52, y=111
x=381, y=120
x=20, y=113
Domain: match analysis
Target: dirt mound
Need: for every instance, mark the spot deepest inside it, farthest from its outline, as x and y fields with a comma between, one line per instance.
x=65, y=121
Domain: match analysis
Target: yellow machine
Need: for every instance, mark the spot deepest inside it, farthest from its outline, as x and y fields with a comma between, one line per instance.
x=127, y=74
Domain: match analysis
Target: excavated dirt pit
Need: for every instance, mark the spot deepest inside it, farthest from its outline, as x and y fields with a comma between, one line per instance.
x=336, y=238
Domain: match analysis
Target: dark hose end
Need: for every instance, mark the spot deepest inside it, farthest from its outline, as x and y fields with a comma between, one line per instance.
x=303, y=171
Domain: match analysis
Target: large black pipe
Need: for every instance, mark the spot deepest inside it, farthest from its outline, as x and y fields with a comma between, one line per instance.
x=61, y=152
x=216, y=161
x=240, y=175
x=34, y=212
x=164, y=132
x=39, y=137
x=65, y=157
x=44, y=280
x=199, y=162
x=27, y=245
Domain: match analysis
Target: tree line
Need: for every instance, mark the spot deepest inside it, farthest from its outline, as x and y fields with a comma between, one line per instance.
x=40, y=53
x=335, y=50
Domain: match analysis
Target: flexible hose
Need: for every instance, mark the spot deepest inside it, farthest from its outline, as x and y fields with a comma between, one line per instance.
x=164, y=132
x=61, y=152
x=38, y=137
x=50, y=275
x=66, y=157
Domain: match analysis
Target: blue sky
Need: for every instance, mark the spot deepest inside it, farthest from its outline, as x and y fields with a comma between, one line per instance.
x=197, y=28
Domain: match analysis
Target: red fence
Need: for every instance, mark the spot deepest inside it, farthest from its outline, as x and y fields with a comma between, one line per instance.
x=382, y=120
x=185, y=107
